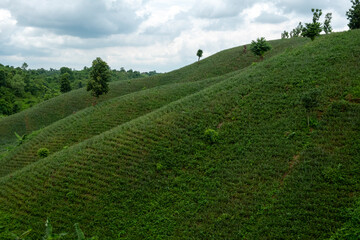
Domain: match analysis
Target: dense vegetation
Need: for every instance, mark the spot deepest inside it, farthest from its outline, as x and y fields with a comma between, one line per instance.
x=21, y=88
x=230, y=147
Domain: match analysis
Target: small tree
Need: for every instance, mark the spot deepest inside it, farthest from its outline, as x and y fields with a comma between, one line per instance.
x=310, y=100
x=24, y=66
x=199, y=54
x=353, y=15
x=313, y=29
x=284, y=35
x=296, y=32
x=260, y=47
x=65, y=83
x=327, y=27
x=99, y=77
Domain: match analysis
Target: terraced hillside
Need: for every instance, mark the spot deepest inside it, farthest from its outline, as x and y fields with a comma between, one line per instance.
x=156, y=174
x=57, y=108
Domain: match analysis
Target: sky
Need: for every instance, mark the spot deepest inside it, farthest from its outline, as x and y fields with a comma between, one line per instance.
x=144, y=35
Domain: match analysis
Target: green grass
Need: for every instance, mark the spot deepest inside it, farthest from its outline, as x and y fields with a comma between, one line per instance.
x=60, y=107
x=154, y=174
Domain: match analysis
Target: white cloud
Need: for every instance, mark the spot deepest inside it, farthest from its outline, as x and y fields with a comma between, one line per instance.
x=143, y=34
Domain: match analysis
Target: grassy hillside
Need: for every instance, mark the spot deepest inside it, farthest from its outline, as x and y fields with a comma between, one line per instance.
x=57, y=108
x=155, y=174
x=95, y=120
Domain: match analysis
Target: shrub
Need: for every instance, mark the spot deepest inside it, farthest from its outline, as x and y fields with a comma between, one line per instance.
x=211, y=135
x=260, y=47
x=43, y=152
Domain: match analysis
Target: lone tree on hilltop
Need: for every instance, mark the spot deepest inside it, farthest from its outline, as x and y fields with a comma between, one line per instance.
x=199, y=54
x=260, y=47
x=99, y=78
x=353, y=15
x=313, y=29
x=65, y=83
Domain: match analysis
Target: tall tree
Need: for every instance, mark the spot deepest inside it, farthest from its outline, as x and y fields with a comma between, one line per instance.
x=327, y=27
x=99, y=77
x=199, y=54
x=313, y=29
x=65, y=83
x=353, y=15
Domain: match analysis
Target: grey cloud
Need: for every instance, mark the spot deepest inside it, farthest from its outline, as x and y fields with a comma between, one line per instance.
x=304, y=7
x=214, y=9
x=172, y=28
x=85, y=19
x=225, y=24
x=271, y=18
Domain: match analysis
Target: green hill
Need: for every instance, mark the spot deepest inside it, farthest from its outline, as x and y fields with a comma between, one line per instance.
x=139, y=165
x=62, y=106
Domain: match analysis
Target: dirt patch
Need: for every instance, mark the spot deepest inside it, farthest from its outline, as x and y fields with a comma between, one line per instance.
x=292, y=163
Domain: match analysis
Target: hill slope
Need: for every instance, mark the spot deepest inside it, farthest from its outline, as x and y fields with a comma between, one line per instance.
x=57, y=108
x=268, y=175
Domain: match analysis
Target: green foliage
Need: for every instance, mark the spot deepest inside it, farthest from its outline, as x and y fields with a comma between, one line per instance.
x=65, y=82
x=199, y=54
x=22, y=88
x=310, y=99
x=297, y=32
x=353, y=15
x=350, y=229
x=49, y=235
x=327, y=27
x=20, y=139
x=256, y=184
x=284, y=35
x=99, y=78
x=312, y=30
x=43, y=152
x=211, y=135
x=260, y=47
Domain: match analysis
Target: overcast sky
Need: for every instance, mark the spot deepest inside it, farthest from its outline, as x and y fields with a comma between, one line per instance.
x=144, y=35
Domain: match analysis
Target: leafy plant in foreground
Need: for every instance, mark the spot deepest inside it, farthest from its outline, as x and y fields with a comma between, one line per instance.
x=49, y=235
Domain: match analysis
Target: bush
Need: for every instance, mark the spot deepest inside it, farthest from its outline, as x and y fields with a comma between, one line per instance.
x=43, y=152
x=211, y=135
x=260, y=47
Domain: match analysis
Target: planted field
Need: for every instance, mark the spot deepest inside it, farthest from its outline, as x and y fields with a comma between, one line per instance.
x=265, y=173
x=57, y=108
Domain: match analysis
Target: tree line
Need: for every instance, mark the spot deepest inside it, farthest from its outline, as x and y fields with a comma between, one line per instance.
x=314, y=28
x=21, y=88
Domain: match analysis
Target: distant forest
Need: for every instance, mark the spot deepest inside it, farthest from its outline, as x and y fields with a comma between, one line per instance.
x=21, y=88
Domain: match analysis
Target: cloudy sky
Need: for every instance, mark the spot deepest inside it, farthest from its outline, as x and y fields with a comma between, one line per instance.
x=144, y=35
